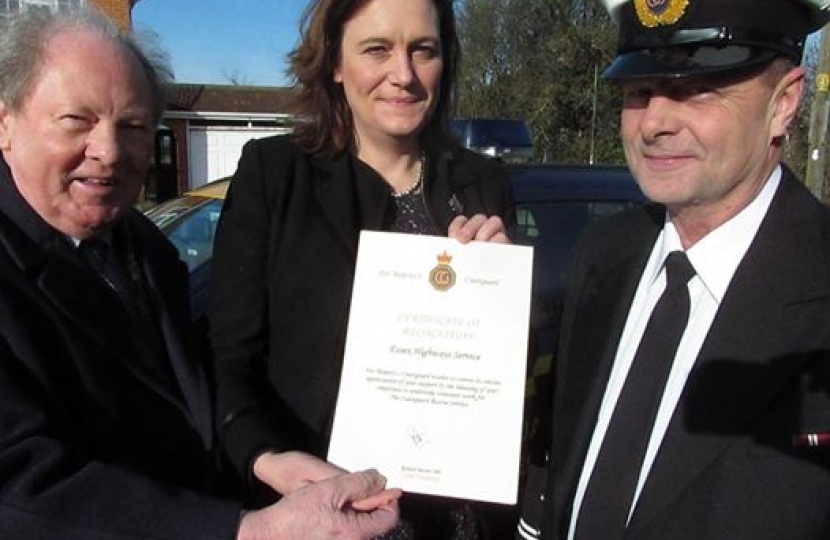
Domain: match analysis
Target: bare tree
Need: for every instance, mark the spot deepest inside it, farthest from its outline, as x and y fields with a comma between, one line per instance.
x=233, y=77
x=539, y=60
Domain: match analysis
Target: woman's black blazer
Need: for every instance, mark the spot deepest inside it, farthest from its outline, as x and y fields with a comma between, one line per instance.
x=282, y=277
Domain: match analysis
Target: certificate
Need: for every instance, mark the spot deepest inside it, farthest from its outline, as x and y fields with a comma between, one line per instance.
x=432, y=387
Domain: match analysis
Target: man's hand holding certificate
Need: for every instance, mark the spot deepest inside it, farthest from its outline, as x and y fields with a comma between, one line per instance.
x=433, y=378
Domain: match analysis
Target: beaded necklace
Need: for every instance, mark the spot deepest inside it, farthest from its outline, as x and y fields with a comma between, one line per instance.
x=418, y=181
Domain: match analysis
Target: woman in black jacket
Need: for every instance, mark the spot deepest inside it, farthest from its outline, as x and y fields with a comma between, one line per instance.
x=374, y=80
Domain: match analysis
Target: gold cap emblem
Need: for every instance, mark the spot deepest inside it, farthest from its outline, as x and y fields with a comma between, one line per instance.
x=653, y=13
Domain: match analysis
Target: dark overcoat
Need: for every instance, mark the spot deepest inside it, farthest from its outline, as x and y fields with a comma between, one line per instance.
x=102, y=436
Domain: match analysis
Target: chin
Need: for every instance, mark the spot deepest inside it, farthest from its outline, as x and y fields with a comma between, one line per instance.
x=668, y=196
x=402, y=134
x=405, y=128
x=102, y=217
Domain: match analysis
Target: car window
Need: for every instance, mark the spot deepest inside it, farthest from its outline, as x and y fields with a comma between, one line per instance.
x=193, y=235
x=526, y=222
x=601, y=209
x=491, y=131
x=553, y=228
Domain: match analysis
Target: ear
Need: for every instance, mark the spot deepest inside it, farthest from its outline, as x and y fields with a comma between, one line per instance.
x=337, y=74
x=5, y=121
x=785, y=101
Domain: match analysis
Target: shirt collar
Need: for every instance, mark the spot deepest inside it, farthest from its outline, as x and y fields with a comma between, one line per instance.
x=717, y=255
x=104, y=235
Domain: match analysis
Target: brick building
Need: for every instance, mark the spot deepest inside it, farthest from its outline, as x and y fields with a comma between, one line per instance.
x=117, y=10
x=209, y=125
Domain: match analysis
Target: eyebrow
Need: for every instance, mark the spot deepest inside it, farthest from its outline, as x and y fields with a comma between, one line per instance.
x=379, y=39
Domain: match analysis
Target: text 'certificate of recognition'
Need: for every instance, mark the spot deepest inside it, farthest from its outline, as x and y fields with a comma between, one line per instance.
x=433, y=379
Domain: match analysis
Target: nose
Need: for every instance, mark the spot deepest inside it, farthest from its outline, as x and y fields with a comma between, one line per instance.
x=659, y=118
x=402, y=73
x=103, y=144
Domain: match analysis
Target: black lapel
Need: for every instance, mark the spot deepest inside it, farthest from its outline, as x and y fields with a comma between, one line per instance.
x=758, y=343
x=335, y=190
x=166, y=278
x=453, y=188
x=97, y=311
x=447, y=176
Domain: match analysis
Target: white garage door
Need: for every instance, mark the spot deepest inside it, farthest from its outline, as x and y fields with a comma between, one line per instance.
x=214, y=151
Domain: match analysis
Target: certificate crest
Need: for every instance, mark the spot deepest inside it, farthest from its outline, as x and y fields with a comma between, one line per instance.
x=653, y=13
x=442, y=277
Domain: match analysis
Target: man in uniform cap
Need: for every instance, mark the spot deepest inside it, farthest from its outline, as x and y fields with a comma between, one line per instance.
x=722, y=432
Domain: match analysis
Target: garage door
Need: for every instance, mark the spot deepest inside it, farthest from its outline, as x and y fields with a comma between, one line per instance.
x=214, y=151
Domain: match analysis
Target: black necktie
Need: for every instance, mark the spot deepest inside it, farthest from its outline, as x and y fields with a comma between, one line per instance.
x=102, y=257
x=607, y=500
x=103, y=260
x=127, y=282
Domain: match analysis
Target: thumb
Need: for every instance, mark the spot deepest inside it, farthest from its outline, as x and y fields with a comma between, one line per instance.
x=358, y=486
x=373, y=502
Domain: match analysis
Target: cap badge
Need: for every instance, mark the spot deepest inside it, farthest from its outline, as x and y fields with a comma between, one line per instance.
x=653, y=13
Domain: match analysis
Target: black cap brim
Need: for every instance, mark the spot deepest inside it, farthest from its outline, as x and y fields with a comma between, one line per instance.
x=685, y=61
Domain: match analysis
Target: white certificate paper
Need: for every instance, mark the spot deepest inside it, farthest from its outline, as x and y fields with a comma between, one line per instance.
x=433, y=379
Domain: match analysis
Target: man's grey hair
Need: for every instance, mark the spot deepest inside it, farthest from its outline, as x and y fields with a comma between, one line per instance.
x=24, y=37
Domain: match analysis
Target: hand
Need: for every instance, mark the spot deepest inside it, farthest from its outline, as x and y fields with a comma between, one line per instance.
x=479, y=227
x=289, y=471
x=348, y=507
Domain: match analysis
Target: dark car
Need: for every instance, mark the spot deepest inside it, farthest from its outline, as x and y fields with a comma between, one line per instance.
x=500, y=138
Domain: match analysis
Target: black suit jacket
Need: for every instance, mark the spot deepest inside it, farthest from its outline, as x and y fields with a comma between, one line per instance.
x=101, y=437
x=731, y=465
x=282, y=279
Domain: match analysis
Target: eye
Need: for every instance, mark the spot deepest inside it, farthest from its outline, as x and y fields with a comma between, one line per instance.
x=634, y=94
x=75, y=121
x=426, y=51
x=135, y=126
x=692, y=91
x=375, y=50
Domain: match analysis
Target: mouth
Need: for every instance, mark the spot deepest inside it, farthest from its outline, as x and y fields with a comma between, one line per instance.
x=402, y=101
x=94, y=188
x=96, y=182
x=665, y=160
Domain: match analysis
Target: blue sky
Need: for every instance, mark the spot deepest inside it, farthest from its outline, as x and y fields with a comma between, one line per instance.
x=210, y=40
